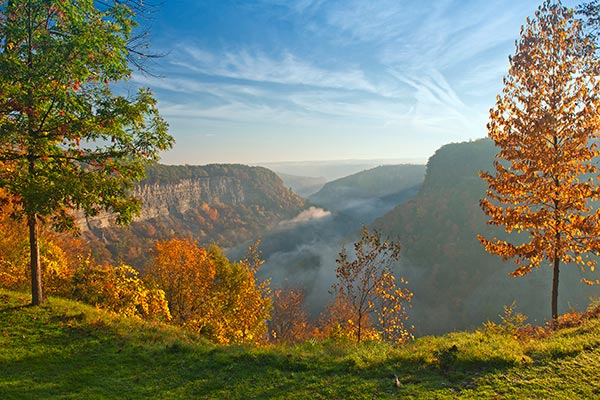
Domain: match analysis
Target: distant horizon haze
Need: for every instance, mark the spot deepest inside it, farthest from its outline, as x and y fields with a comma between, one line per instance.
x=328, y=169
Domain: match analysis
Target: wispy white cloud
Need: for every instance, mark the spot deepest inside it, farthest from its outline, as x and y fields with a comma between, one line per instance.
x=306, y=216
x=297, y=6
x=192, y=86
x=395, y=67
x=412, y=102
x=287, y=69
x=374, y=21
x=307, y=5
x=438, y=33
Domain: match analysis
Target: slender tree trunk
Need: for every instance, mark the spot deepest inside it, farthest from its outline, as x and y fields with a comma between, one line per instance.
x=556, y=263
x=555, y=291
x=37, y=296
x=557, y=245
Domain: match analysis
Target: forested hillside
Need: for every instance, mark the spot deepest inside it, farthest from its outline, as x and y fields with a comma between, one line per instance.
x=456, y=283
x=376, y=182
x=226, y=204
x=302, y=253
x=370, y=193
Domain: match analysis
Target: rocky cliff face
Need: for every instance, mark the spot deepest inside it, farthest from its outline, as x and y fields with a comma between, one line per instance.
x=226, y=204
x=165, y=200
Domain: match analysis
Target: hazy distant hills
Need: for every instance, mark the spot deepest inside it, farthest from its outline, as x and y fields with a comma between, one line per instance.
x=371, y=193
x=456, y=283
x=302, y=185
x=334, y=169
x=226, y=204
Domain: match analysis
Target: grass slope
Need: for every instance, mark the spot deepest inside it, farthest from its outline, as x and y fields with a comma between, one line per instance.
x=65, y=350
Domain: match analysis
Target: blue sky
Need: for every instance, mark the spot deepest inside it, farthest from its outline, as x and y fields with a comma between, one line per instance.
x=275, y=80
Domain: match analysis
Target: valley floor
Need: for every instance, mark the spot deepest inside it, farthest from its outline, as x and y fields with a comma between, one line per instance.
x=65, y=350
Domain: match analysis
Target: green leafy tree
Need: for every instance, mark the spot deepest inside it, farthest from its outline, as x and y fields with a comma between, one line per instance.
x=545, y=123
x=69, y=138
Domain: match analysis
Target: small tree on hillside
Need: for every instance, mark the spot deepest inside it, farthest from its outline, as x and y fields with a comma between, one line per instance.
x=366, y=287
x=67, y=141
x=544, y=124
x=186, y=273
x=241, y=303
x=288, y=322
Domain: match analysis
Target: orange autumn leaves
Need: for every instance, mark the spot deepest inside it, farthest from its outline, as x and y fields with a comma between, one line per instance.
x=223, y=301
x=545, y=125
x=210, y=295
x=14, y=253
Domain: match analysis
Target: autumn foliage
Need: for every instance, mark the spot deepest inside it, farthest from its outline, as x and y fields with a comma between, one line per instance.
x=545, y=124
x=368, y=301
x=209, y=294
x=202, y=291
x=289, y=322
x=186, y=274
x=120, y=290
x=14, y=253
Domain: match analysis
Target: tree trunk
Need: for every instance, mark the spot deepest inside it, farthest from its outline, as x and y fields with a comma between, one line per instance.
x=556, y=261
x=37, y=296
x=555, y=291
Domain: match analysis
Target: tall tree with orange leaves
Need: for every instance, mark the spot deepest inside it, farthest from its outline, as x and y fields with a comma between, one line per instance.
x=545, y=124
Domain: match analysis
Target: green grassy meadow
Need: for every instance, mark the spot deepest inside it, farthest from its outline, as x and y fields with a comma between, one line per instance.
x=66, y=350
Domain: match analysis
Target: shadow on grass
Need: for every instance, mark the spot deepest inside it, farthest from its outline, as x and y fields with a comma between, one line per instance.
x=448, y=369
x=76, y=358
x=89, y=365
x=15, y=308
x=9, y=304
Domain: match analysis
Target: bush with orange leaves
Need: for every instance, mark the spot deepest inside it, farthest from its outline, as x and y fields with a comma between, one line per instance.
x=185, y=273
x=575, y=318
x=209, y=294
x=340, y=322
x=288, y=323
